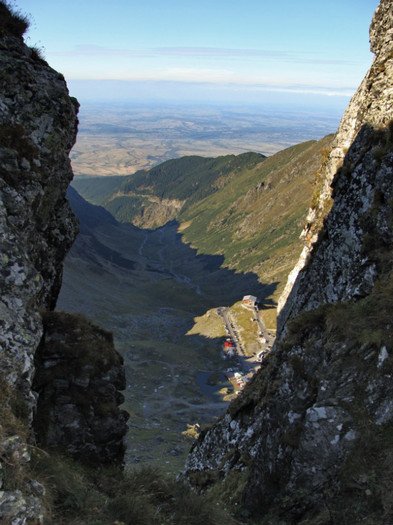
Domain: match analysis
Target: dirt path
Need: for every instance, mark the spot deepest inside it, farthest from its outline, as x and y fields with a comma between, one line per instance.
x=140, y=249
x=167, y=244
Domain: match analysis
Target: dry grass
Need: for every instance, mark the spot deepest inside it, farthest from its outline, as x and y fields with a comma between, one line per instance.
x=12, y=22
x=78, y=495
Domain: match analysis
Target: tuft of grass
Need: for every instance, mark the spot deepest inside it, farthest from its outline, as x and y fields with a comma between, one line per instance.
x=384, y=139
x=368, y=320
x=229, y=492
x=38, y=53
x=70, y=489
x=12, y=22
x=14, y=431
x=366, y=475
x=13, y=412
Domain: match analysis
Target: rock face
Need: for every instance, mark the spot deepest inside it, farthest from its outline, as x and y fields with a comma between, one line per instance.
x=312, y=430
x=38, y=125
x=37, y=130
x=79, y=375
x=372, y=104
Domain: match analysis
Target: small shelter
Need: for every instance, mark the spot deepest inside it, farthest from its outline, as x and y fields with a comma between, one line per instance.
x=249, y=301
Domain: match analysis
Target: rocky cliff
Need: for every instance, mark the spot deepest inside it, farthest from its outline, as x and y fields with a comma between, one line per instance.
x=310, y=439
x=372, y=104
x=38, y=125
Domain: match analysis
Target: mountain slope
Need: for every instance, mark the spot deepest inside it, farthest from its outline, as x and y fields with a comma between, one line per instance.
x=97, y=189
x=247, y=208
x=148, y=287
x=152, y=198
x=310, y=439
x=255, y=221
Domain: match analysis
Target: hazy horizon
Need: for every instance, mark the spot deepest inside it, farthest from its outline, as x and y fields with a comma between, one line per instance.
x=249, y=76
x=295, y=54
x=154, y=93
x=121, y=137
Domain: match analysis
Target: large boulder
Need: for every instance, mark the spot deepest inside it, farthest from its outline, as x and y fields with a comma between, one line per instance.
x=79, y=375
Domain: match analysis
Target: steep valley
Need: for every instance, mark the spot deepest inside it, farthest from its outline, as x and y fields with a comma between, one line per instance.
x=308, y=439
x=148, y=288
x=156, y=283
x=247, y=209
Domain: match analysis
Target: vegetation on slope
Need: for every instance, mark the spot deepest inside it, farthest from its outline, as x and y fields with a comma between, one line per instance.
x=189, y=178
x=97, y=190
x=259, y=229
x=247, y=208
x=84, y=495
x=172, y=185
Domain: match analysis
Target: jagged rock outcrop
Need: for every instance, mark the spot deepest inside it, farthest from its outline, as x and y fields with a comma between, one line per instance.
x=309, y=439
x=326, y=390
x=38, y=125
x=37, y=130
x=157, y=212
x=79, y=375
x=372, y=104
x=344, y=265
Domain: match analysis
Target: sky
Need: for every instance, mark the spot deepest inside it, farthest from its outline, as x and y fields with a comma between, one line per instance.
x=195, y=50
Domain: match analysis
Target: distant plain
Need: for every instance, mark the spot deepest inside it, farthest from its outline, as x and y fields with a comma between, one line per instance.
x=120, y=139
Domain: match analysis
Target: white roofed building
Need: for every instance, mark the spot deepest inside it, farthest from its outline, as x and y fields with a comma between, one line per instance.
x=249, y=301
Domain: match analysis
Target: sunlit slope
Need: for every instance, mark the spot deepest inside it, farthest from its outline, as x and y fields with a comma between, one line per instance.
x=247, y=208
x=152, y=198
x=191, y=178
x=255, y=221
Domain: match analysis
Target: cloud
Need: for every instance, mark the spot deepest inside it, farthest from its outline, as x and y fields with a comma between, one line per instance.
x=229, y=68
x=200, y=52
x=253, y=89
x=330, y=91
